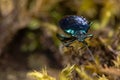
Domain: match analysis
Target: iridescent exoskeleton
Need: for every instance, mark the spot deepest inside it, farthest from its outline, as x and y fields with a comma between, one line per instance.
x=76, y=27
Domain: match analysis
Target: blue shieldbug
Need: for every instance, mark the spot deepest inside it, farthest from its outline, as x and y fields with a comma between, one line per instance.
x=75, y=26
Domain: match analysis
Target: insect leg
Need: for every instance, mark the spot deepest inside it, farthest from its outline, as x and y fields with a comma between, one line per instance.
x=89, y=35
x=65, y=39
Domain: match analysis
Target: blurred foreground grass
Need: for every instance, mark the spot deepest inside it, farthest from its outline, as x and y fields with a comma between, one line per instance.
x=84, y=72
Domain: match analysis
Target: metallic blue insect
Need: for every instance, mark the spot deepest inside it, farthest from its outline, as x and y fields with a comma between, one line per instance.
x=76, y=27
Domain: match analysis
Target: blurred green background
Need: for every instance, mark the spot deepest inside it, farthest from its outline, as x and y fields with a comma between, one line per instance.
x=28, y=32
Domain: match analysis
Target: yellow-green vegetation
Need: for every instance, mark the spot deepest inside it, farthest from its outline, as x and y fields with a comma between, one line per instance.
x=41, y=76
x=86, y=72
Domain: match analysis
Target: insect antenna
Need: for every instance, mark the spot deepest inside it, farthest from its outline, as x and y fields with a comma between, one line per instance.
x=90, y=52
